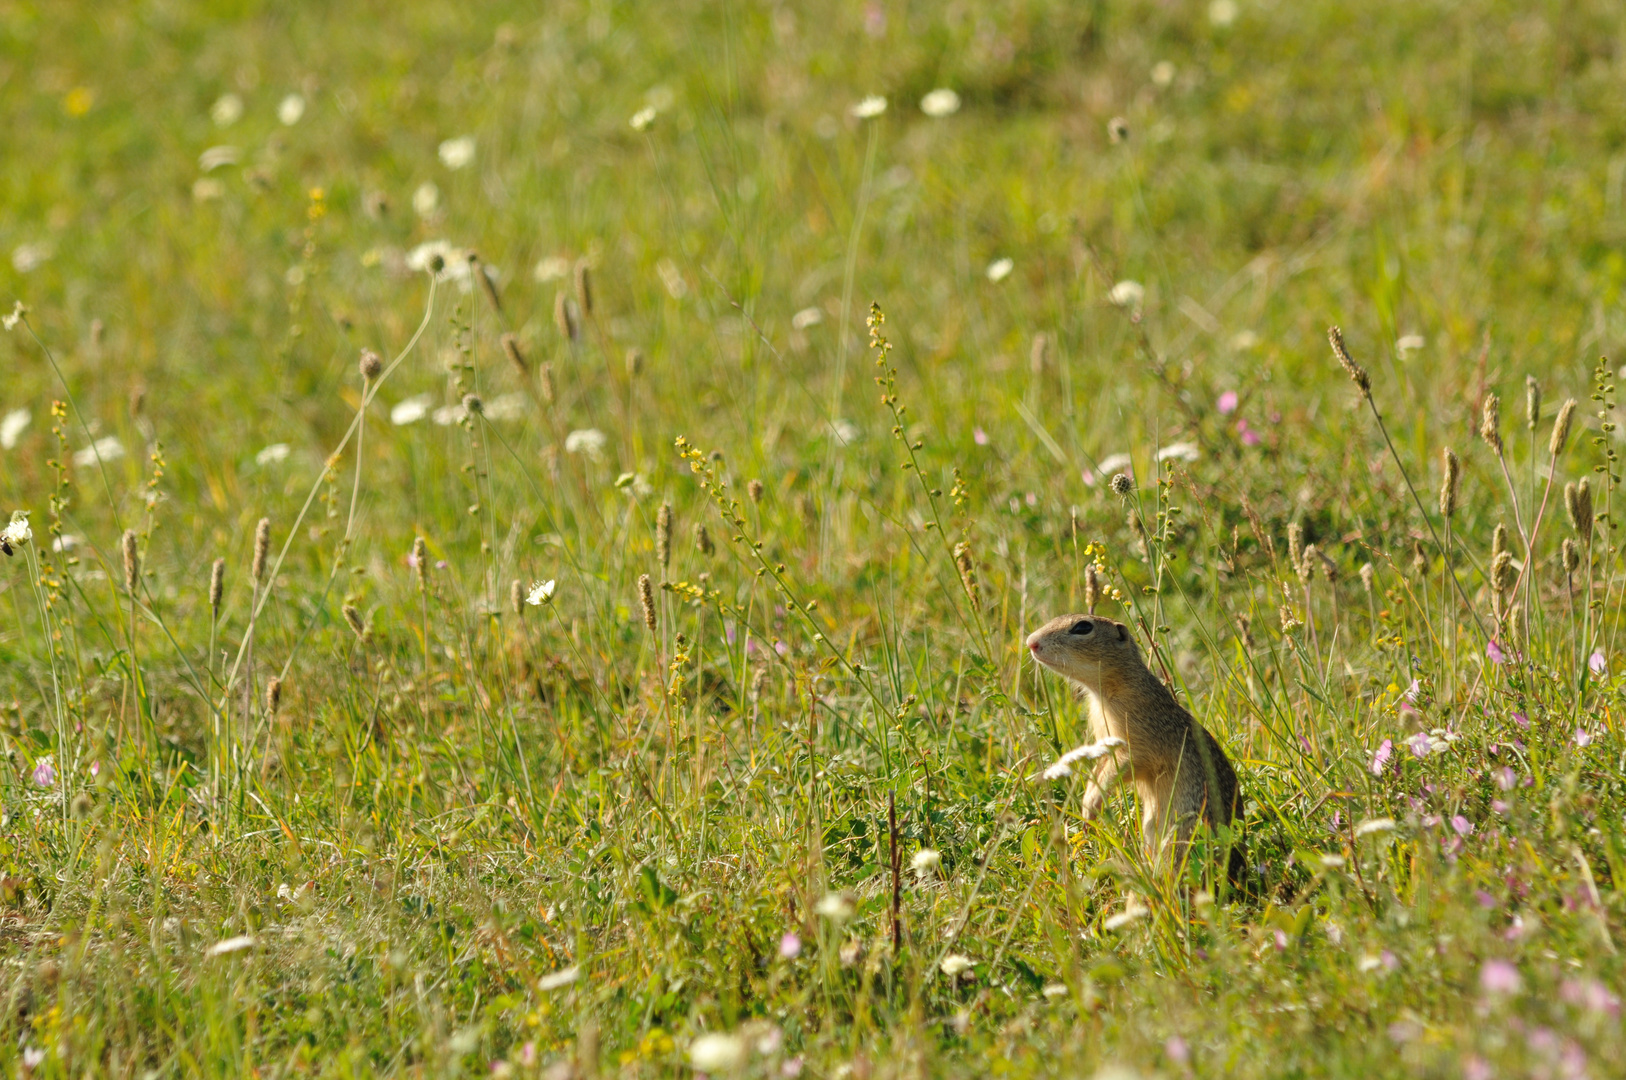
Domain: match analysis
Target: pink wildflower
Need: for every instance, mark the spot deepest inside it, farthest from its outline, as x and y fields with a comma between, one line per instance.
x=1227, y=403
x=1380, y=757
x=1499, y=977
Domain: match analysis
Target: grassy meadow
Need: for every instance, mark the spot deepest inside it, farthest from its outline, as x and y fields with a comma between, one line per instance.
x=533, y=510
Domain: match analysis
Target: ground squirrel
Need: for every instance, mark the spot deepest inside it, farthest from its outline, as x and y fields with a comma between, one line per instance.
x=1176, y=766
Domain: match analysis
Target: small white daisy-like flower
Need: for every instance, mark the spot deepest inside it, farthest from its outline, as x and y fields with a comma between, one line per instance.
x=926, y=859
x=16, y=533
x=541, y=592
x=940, y=102
x=869, y=108
x=456, y=153
x=837, y=907
x=644, y=118
x=290, y=109
x=1000, y=269
x=954, y=964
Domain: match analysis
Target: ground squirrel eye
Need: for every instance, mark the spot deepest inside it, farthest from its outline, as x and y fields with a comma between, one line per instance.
x=1082, y=626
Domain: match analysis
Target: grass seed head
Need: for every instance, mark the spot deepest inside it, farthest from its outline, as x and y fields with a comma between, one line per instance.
x=1369, y=577
x=420, y=562
x=353, y=617
x=1244, y=626
x=488, y=284
x=1490, y=423
x=564, y=317
x=1572, y=555
x=273, y=695
x=1502, y=574
x=1307, y=563
x=217, y=586
x=635, y=363
x=371, y=365
x=584, y=289
x=1419, y=557
x=1498, y=540
x=1357, y=374
x=545, y=384
x=663, y=535
x=1448, y=486
x=646, y=600
x=132, y=559
x=1295, y=545
x=1092, y=588
x=1532, y=401
x=1578, y=502
x=1039, y=356
x=516, y=597
x=754, y=489
x=510, y=348
x=1561, y=428
x=702, y=540
x=262, y=548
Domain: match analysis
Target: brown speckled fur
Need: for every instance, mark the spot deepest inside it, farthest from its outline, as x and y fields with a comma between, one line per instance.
x=1163, y=757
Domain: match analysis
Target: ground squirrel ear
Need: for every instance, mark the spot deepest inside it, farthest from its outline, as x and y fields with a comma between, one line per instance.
x=1123, y=631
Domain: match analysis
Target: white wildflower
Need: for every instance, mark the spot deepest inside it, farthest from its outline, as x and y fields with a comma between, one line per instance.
x=589, y=441
x=272, y=454
x=1162, y=73
x=869, y=108
x=562, y=977
x=644, y=118
x=218, y=156
x=230, y=945
x=506, y=407
x=1368, y=963
x=227, y=110
x=1115, y=463
x=410, y=411
x=1000, y=269
x=17, y=312
x=1054, y=990
x=1180, y=451
x=541, y=592
x=835, y=906
x=1127, y=294
x=954, y=964
x=426, y=199
x=940, y=102
x=106, y=448
x=290, y=109
x=13, y=425
x=926, y=859
x=846, y=432
x=1410, y=343
x=551, y=268
x=16, y=533
x=1329, y=861
x=447, y=415
x=715, y=1052
x=454, y=260
x=1375, y=825
x=808, y=316
x=1222, y=12
x=456, y=153
x=1063, y=766
x=27, y=257
x=65, y=542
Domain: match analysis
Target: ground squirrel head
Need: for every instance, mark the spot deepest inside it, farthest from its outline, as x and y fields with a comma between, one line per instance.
x=1087, y=649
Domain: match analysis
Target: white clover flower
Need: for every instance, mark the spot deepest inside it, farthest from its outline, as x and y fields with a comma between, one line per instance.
x=1063, y=766
x=837, y=907
x=106, y=448
x=272, y=454
x=1000, y=269
x=940, y=102
x=562, y=977
x=541, y=592
x=410, y=411
x=1127, y=294
x=869, y=108
x=589, y=441
x=227, y=110
x=954, y=964
x=290, y=109
x=715, y=1052
x=456, y=153
x=644, y=118
x=926, y=859
x=12, y=427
